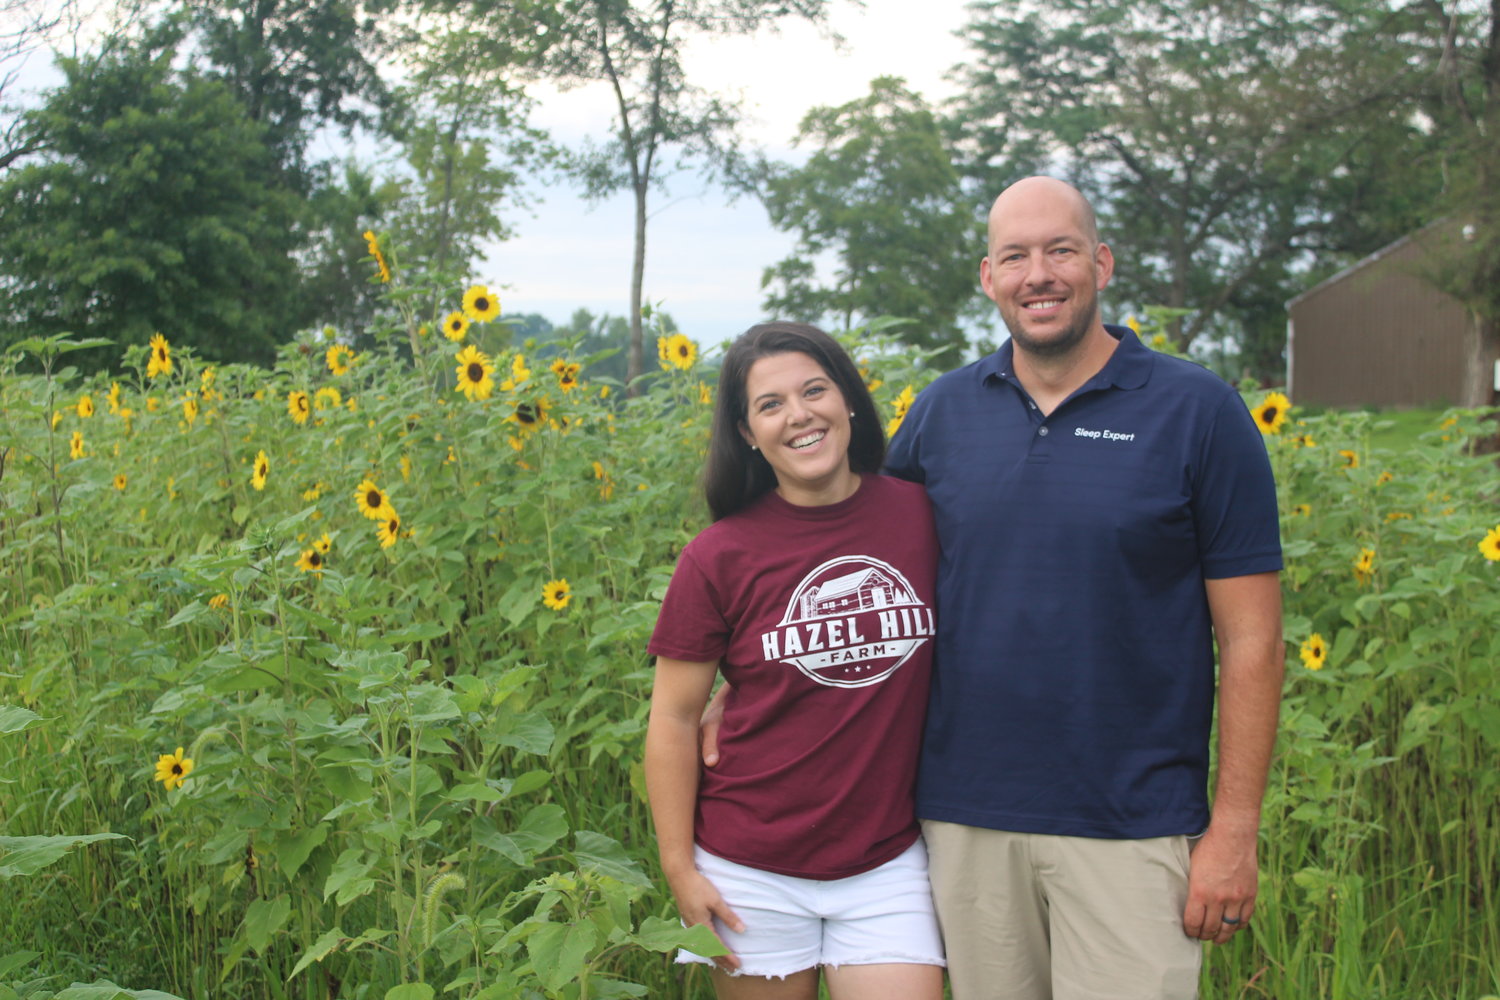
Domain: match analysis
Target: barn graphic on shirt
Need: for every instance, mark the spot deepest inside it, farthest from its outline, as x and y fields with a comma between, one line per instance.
x=852, y=622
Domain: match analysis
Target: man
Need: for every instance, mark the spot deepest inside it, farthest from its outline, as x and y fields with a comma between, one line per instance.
x=1105, y=513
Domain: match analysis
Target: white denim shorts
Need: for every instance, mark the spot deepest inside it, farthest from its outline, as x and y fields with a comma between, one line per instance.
x=881, y=916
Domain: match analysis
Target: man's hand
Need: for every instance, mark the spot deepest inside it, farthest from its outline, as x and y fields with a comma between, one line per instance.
x=1221, y=886
x=708, y=726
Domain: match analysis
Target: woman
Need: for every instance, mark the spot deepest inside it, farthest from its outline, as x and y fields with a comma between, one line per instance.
x=812, y=593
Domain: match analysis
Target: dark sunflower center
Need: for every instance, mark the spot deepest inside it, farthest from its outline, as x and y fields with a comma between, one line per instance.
x=262, y=470
x=476, y=372
x=526, y=413
x=372, y=498
x=315, y=559
x=161, y=355
x=176, y=768
x=1271, y=414
x=482, y=304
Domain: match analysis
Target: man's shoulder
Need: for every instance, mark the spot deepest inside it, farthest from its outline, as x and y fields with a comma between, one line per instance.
x=1175, y=374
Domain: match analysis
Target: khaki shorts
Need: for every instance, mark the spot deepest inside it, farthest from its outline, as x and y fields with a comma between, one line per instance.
x=1037, y=917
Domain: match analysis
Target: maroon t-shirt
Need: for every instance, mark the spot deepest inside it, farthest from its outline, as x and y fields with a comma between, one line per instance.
x=822, y=621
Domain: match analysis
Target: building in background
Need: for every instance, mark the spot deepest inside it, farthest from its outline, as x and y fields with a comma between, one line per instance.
x=1383, y=333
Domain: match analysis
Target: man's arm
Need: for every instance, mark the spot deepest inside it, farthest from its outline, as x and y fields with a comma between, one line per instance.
x=1246, y=612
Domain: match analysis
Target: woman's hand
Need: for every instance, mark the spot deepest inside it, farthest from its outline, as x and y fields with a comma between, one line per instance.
x=699, y=902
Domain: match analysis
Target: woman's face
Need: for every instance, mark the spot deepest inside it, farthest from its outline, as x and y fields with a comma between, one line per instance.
x=799, y=420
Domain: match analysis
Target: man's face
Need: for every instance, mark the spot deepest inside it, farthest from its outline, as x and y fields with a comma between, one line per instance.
x=1044, y=271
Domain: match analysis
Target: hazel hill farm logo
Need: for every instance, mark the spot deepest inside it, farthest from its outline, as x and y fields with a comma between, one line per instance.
x=852, y=622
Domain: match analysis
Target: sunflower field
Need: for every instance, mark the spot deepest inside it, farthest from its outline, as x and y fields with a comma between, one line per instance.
x=328, y=680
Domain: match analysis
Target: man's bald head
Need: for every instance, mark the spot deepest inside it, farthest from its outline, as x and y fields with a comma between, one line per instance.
x=1034, y=191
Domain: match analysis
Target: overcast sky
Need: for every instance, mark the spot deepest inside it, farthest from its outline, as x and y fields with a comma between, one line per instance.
x=704, y=256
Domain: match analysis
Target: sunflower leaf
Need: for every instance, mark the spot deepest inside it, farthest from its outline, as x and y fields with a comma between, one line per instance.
x=29, y=855
x=319, y=951
x=14, y=719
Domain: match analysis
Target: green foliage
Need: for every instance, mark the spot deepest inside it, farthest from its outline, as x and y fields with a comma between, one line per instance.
x=210, y=262
x=881, y=196
x=1223, y=143
x=295, y=65
x=413, y=775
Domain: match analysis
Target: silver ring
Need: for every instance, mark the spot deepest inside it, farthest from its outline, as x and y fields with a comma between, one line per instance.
x=1231, y=920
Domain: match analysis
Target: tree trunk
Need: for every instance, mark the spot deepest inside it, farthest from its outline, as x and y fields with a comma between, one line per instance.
x=1483, y=342
x=635, y=361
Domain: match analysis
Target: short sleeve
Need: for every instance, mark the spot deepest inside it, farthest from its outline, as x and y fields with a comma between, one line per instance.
x=691, y=625
x=901, y=457
x=1234, y=497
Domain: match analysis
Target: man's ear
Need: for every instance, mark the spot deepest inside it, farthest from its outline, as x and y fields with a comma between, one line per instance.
x=1104, y=261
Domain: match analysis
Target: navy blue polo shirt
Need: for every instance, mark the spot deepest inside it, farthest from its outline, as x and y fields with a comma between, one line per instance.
x=1075, y=666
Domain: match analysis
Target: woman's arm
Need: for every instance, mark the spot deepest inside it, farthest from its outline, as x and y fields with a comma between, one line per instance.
x=677, y=701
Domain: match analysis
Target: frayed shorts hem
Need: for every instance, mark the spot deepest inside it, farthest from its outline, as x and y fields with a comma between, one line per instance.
x=688, y=958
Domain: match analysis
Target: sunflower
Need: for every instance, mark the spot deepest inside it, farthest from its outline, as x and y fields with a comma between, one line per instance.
x=374, y=245
x=160, y=362
x=153, y=403
x=85, y=406
x=1302, y=510
x=1384, y=478
x=172, y=768
x=339, y=359
x=1304, y=441
x=219, y=602
x=518, y=373
x=474, y=373
x=206, y=381
x=1314, y=652
x=114, y=397
x=75, y=445
x=1351, y=458
x=1364, y=566
x=1271, y=413
x=567, y=374
x=406, y=468
x=479, y=305
x=677, y=350
x=327, y=398
x=903, y=402
x=531, y=416
x=705, y=394
x=556, y=594
x=298, y=406
x=373, y=503
x=324, y=544
x=311, y=561
x=121, y=481
x=455, y=326
x=388, y=530
x=1489, y=545
x=190, y=410
x=260, y=470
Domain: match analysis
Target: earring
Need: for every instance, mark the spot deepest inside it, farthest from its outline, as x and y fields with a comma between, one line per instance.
x=851, y=414
x=755, y=447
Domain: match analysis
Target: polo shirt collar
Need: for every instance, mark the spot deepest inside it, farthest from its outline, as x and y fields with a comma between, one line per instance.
x=1127, y=368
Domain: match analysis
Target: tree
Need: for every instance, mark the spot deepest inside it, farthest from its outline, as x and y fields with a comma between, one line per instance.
x=1465, y=100
x=881, y=195
x=296, y=65
x=635, y=48
x=467, y=144
x=25, y=25
x=152, y=210
x=1226, y=143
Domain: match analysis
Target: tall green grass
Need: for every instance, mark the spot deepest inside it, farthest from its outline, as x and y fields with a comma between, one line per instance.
x=414, y=777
